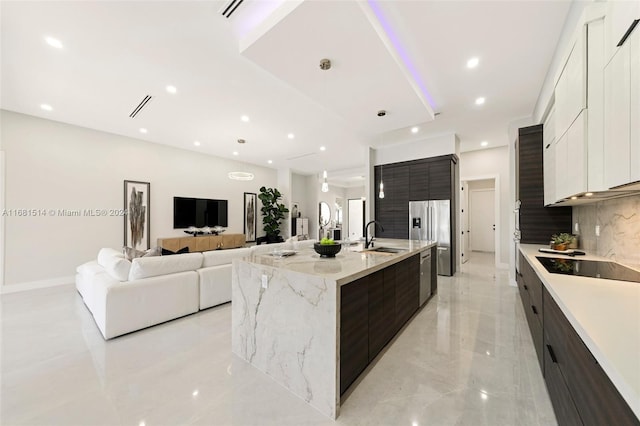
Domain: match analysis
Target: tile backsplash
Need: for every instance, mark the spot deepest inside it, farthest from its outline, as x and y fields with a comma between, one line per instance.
x=619, y=221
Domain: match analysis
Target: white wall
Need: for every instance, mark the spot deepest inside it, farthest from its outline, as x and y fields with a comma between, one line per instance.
x=490, y=162
x=51, y=165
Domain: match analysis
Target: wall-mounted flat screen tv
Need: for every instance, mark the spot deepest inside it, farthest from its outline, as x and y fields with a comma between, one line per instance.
x=199, y=212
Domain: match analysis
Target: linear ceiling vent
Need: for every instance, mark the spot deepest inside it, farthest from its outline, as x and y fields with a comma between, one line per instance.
x=229, y=7
x=141, y=105
x=301, y=156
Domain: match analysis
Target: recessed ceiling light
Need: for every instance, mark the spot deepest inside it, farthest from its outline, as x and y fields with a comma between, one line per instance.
x=195, y=392
x=46, y=107
x=414, y=130
x=291, y=136
x=143, y=130
x=479, y=101
x=473, y=62
x=244, y=118
x=235, y=153
x=574, y=198
x=484, y=143
x=589, y=194
x=323, y=148
x=53, y=42
x=270, y=162
x=172, y=89
x=196, y=143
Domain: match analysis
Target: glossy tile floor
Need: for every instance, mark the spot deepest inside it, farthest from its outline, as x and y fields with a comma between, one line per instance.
x=465, y=359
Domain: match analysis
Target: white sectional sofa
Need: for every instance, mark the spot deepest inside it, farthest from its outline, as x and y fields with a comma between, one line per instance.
x=125, y=296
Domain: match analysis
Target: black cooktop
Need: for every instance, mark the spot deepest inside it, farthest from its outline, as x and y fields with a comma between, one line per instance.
x=589, y=268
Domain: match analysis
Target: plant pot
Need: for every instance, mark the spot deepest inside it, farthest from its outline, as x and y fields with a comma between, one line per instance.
x=560, y=247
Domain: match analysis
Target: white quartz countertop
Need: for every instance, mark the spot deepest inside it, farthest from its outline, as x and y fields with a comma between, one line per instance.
x=606, y=315
x=348, y=265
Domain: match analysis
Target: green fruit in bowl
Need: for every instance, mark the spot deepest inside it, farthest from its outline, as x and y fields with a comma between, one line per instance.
x=327, y=241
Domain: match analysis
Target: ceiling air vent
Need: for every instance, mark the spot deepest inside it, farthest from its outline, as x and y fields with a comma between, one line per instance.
x=229, y=7
x=141, y=105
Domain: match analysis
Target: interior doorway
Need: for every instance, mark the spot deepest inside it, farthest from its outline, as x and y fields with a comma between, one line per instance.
x=482, y=223
x=480, y=217
x=356, y=214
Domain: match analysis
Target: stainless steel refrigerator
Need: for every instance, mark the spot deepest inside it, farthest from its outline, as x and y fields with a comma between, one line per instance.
x=431, y=220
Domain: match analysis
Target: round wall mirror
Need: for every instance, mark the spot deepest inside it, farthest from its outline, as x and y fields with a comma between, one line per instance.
x=325, y=214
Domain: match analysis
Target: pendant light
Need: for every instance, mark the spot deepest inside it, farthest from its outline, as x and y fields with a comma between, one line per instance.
x=381, y=192
x=325, y=65
x=325, y=185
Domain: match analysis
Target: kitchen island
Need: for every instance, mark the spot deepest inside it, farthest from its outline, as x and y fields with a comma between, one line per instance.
x=313, y=324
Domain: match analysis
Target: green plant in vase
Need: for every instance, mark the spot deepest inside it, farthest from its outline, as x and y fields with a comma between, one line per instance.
x=561, y=241
x=272, y=213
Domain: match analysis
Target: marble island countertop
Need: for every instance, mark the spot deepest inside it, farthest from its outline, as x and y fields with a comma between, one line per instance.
x=350, y=264
x=605, y=314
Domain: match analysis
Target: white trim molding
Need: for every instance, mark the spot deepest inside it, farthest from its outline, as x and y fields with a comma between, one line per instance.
x=35, y=285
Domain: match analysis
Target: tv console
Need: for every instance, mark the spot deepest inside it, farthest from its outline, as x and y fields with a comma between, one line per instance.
x=203, y=242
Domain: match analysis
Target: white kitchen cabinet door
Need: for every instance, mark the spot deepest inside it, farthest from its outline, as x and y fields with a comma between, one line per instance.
x=576, y=70
x=549, y=159
x=549, y=171
x=561, y=105
x=634, y=116
x=576, y=161
x=620, y=16
x=561, y=155
x=617, y=108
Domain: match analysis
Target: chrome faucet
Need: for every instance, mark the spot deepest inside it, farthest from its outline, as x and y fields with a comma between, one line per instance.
x=368, y=242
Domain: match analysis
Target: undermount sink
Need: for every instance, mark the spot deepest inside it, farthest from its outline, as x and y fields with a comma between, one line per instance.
x=387, y=250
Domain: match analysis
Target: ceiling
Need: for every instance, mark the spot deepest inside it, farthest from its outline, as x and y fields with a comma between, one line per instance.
x=405, y=57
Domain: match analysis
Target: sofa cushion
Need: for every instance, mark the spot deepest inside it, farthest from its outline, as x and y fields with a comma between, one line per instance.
x=223, y=257
x=114, y=263
x=89, y=269
x=145, y=267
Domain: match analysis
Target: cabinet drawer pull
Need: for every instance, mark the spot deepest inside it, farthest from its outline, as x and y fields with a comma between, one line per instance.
x=525, y=287
x=628, y=32
x=547, y=147
x=533, y=308
x=552, y=355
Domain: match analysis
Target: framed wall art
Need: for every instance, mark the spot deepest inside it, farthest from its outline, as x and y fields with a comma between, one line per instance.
x=138, y=215
x=250, y=216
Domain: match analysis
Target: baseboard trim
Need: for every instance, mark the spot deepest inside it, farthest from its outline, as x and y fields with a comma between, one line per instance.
x=35, y=285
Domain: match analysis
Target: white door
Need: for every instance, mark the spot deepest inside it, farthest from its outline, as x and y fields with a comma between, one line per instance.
x=356, y=218
x=482, y=220
x=464, y=218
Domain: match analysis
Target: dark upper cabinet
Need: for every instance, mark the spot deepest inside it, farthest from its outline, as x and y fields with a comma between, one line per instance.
x=417, y=180
x=537, y=222
x=440, y=180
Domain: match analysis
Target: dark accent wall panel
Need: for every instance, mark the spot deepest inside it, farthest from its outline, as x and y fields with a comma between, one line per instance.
x=537, y=222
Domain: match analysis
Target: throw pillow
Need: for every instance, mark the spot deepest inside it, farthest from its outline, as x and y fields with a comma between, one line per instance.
x=166, y=252
x=131, y=253
x=153, y=252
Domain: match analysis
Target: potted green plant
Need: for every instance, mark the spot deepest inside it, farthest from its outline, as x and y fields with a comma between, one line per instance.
x=561, y=241
x=272, y=213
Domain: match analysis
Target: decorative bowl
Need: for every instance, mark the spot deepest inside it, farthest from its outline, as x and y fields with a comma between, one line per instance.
x=327, y=250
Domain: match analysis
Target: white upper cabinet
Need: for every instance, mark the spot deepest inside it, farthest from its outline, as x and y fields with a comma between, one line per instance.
x=620, y=17
x=549, y=159
x=622, y=113
x=571, y=87
x=579, y=109
x=571, y=160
